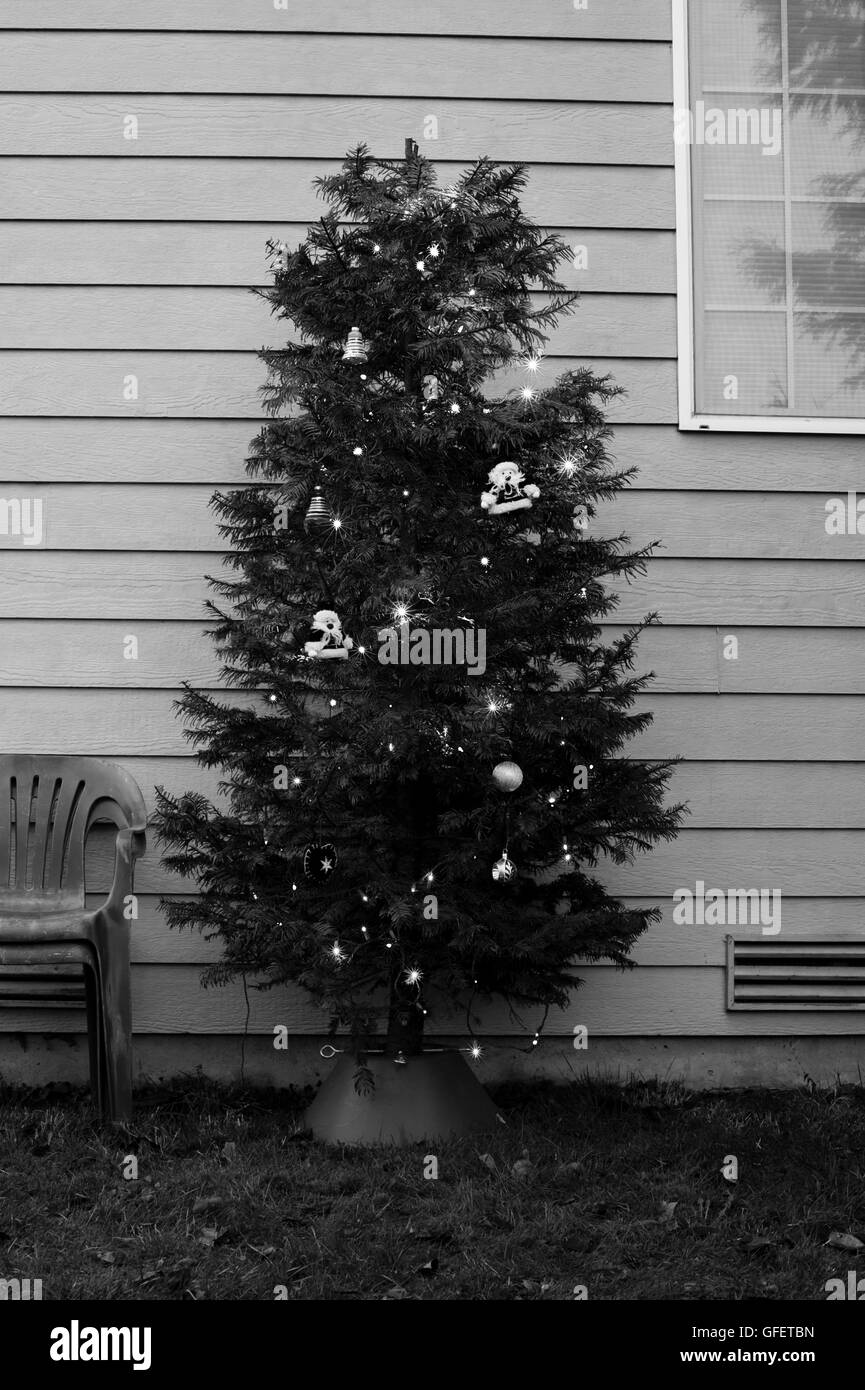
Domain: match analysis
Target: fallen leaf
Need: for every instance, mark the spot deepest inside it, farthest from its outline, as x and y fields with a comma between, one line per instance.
x=567, y=1170
x=229, y=1151
x=206, y=1204
x=756, y=1243
x=488, y=1161
x=668, y=1212
x=429, y=1268
x=396, y=1292
x=841, y=1241
x=105, y=1256
x=523, y=1169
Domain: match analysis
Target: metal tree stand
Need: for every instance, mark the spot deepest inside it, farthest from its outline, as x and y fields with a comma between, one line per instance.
x=428, y=1095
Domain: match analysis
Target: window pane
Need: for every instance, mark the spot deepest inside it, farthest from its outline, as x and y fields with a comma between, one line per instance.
x=777, y=150
x=745, y=363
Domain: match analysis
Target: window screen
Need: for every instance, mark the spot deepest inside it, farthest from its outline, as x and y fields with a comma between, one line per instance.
x=774, y=133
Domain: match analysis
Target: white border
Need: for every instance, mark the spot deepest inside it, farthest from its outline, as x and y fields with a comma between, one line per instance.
x=688, y=419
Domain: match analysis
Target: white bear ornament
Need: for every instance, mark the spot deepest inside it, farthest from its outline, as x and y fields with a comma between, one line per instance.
x=508, y=492
x=332, y=646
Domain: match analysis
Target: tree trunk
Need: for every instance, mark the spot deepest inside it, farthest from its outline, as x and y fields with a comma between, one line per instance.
x=404, y=1024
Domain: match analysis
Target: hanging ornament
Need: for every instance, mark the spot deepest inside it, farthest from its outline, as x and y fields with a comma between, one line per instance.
x=355, y=347
x=332, y=645
x=508, y=776
x=508, y=492
x=431, y=390
x=504, y=869
x=318, y=514
x=320, y=861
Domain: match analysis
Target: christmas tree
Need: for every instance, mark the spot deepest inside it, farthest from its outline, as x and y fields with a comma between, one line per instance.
x=421, y=774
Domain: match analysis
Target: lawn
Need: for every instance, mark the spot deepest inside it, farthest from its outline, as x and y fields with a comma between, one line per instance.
x=617, y=1188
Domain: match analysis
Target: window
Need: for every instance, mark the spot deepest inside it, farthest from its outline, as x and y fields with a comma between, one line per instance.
x=770, y=178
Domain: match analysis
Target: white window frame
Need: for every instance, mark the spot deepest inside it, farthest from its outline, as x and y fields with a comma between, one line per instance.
x=689, y=419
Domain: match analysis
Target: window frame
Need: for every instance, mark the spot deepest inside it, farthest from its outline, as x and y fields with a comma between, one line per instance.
x=689, y=417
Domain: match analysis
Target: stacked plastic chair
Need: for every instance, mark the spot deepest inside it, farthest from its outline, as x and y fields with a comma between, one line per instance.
x=54, y=951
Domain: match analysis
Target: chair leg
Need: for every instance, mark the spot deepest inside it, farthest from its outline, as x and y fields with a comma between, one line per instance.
x=94, y=1037
x=117, y=1024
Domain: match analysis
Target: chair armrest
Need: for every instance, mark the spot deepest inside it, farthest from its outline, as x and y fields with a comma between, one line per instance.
x=130, y=844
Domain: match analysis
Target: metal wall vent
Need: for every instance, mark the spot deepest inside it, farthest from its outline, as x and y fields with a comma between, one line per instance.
x=808, y=973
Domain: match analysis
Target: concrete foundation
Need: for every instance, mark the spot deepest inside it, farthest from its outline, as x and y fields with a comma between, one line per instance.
x=699, y=1063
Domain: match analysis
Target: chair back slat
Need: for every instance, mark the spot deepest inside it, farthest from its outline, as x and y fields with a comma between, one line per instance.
x=47, y=807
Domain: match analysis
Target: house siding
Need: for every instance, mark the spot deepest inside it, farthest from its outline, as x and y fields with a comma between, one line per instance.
x=132, y=258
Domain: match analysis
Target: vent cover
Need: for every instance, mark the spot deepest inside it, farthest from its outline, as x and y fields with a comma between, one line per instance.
x=808, y=973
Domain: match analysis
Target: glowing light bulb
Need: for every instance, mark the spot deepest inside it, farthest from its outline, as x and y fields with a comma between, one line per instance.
x=337, y=952
x=472, y=293
x=390, y=747
x=414, y=976
x=405, y=492
x=336, y=524
x=485, y=559
x=493, y=707
x=362, y=651
x=295, y=781
x=272, y=699
x=357, y=451
x=476, y=1051
x=400, y=613
x=527, y=393
x=333, y=704
x=419, y=265
x=376, y=248
x=455, y=408
x=435, y=252
x=533, y=363
x=429, y=878
x=567, y=465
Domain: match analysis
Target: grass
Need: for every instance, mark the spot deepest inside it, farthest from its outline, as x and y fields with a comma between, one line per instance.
x=617, y=1188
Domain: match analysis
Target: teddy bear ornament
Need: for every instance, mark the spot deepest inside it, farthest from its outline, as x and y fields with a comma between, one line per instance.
x=508, y=491
x=331, y=646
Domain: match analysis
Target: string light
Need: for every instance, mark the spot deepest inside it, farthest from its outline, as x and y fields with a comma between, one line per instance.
x=435, y=252
x=333, y=704
x=272, y=699
x=336, y=524
x=533, y=363
x=357, y=451
x=476, y=1051
x=455, y=408
x=419, y=265
x=337, y=952
x=362, y=651
x=295, y=781
x=527, y=393
x=390, y=747
x=414, y=975
x=567, y=465
x=400, y=613
x=485, y=559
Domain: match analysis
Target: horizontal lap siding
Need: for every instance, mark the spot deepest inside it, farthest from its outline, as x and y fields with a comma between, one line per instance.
x=133, y=257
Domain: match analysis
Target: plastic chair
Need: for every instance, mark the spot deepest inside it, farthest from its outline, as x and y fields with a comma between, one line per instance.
x=47, y=808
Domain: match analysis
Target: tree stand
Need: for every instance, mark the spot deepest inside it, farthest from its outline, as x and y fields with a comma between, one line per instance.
x=429, y=1095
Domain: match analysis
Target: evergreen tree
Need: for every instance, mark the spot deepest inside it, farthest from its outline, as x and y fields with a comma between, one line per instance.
x=456, y=629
